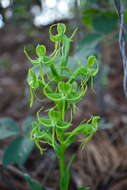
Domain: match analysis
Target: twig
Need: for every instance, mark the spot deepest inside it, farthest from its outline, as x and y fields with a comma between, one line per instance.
x=120, y=10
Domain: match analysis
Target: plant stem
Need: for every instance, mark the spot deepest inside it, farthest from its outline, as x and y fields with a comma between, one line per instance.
x=62, y=163
x=62, y=168
x=63, y=110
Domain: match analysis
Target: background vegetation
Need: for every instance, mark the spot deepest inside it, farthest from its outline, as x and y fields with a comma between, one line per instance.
x=102, y=165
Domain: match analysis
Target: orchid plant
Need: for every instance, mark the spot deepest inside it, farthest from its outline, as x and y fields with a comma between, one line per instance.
x=64, y=88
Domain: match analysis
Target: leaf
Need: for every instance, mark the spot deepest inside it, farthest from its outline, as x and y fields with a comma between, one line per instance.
x=8, y=127
x=54, y=115
x=54, y=96
x=104, y=24
x=41, y=50
x=89, y=42
x=63, y=125
x=45, y=122
x=18, y=151
x=64, y=88
x=74, y=97
x=88, y=129
x=60, y=105
x=33, y=184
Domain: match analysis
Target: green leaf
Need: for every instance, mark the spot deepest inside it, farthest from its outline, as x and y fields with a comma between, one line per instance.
x=104, y=24
x=45, y=122
x=63, y=125
x=64, y=88
x=75, y=132
x=60, y=105
x=54, y=96
x=33, y=184
x=18, y=151
x=54, y=115
x=74, y=97
x=88, y=129
x=89, y=42
x=41, y=50
x=8, y=127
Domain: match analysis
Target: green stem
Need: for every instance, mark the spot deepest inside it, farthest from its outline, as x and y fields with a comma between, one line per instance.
x=63, y=110
x=41, y=74
x=62, y=163
x=62, y=168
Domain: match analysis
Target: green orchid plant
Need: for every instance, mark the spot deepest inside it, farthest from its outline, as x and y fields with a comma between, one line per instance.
x=64, y=88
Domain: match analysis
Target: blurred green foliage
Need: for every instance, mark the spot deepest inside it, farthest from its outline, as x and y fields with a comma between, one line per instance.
x=100, y=16
x=32, y=183
x=19, y=149
x=100, y=20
